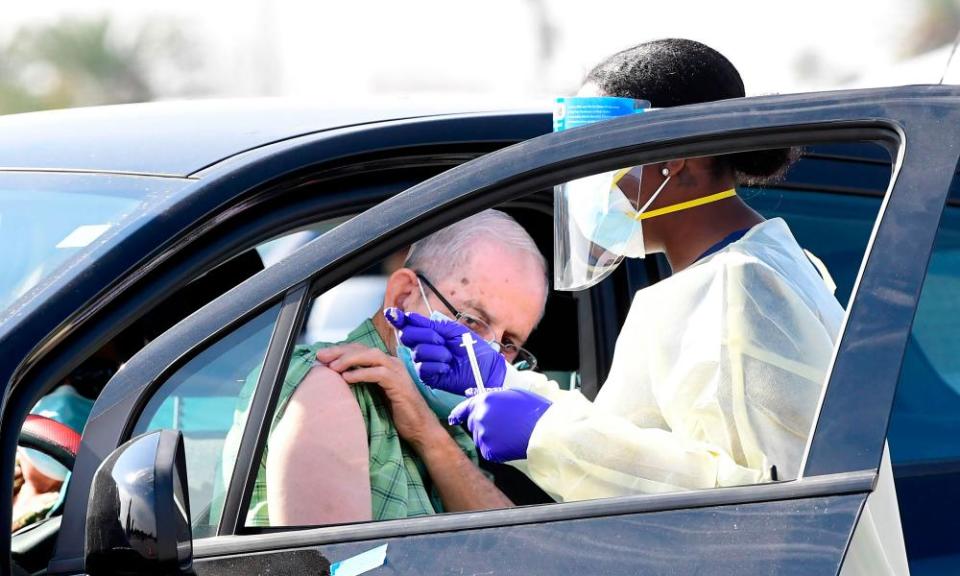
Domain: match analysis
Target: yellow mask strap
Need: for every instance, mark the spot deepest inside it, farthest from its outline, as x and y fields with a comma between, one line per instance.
x=688, y=204
x=619, y=174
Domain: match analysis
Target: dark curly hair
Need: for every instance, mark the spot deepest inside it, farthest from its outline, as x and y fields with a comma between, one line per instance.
x=674, y=72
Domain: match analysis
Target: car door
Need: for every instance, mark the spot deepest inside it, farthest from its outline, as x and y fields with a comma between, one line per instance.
x=800, y=526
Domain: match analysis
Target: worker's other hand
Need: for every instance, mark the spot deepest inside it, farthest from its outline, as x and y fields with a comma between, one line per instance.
x=359, y=364
x=439, y=354
x=501, y=421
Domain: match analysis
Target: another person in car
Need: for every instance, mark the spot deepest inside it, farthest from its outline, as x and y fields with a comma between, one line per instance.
x=718, y=369
x=354, y=438
x=38, y=478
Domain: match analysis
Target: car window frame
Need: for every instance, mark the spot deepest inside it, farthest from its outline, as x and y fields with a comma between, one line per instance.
x=899, y=117
x=852, y=479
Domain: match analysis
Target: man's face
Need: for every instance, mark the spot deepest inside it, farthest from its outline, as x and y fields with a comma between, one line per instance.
x=503, y=288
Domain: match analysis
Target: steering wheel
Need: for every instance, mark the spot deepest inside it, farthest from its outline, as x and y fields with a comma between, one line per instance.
x=50, y=437
x=32, y=546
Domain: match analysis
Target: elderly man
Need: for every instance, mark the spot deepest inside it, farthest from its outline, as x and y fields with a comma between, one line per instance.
x=356, y=440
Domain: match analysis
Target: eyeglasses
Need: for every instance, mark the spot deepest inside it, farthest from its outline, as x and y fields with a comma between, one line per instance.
x=520, y=357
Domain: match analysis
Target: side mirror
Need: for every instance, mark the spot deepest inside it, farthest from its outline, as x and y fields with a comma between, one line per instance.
x=138, y=515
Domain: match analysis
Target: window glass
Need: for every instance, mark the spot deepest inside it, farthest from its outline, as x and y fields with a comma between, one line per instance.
x=926, y=423
x=716, y=378
x=924, y=433
x=36, y=240
x=205, y=399
x=280, y=247
x=40, y=244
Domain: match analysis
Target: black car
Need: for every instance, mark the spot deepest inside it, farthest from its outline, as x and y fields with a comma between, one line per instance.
x=140, y=239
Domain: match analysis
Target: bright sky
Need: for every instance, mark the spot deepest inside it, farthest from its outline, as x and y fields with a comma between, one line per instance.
x=340, y=50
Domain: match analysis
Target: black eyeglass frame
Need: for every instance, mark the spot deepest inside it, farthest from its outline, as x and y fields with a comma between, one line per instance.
x=522, y=353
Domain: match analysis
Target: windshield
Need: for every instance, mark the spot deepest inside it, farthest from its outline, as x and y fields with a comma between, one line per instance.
x=47, y=220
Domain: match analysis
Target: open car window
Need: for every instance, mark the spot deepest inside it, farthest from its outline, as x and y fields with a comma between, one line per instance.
x=794, y=270
x=348, y=313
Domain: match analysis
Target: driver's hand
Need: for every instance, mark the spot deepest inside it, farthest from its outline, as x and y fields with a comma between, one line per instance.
x=37, y=492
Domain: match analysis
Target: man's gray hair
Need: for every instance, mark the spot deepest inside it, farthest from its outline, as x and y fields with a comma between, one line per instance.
x=445, y=252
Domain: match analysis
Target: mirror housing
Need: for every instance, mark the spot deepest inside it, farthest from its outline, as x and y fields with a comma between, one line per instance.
x=138, y=514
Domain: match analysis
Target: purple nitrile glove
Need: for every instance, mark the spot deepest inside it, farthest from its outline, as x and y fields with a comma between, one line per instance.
x=439, y=355
x=501, y=421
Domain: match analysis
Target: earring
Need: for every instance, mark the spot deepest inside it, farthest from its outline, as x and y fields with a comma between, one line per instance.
x=665, y=171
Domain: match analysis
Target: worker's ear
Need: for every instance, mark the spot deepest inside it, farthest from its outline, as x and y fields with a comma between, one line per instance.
x=675, y=167
x=402, y=290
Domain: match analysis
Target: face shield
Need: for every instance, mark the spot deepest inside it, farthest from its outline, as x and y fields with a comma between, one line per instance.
x=595, y=227
x=595, y=223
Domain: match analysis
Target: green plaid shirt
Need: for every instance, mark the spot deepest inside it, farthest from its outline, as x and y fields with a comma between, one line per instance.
x=399, y=484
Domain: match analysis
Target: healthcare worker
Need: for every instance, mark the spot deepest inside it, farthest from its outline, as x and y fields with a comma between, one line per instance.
x=718, y=369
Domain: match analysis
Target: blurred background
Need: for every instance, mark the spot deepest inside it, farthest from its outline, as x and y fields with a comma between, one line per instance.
x=62, y=53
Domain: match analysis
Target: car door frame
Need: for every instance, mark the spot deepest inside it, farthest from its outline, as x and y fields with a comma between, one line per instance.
x=845, y=449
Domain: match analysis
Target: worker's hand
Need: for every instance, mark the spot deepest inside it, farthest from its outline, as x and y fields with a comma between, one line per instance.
x=501, y=421
x=439, y=354
x=357, y=364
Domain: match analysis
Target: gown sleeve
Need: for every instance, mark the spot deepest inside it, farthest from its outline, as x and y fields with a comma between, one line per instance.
x=716, y=378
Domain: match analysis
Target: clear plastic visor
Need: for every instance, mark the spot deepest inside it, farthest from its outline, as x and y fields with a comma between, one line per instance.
x=595, y=227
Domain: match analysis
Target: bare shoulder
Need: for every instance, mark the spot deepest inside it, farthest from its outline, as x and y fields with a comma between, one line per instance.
x=322, y=390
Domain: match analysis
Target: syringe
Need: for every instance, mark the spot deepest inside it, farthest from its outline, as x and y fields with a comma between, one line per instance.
x=468, y=342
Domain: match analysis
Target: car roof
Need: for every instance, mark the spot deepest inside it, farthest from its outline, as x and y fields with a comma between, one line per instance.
x=177, y=138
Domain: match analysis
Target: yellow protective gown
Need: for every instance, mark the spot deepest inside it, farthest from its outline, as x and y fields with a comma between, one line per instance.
x=716, y=379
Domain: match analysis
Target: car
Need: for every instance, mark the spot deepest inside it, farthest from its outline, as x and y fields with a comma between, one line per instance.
x=168, y=208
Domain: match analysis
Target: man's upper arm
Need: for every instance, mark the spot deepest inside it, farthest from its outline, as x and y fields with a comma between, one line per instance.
x=318, y=462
